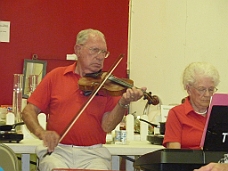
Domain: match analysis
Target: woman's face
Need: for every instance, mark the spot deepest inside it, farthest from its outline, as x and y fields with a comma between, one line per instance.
x=200, y=93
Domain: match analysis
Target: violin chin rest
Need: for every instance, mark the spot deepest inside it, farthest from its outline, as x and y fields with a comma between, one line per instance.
x=87, y=93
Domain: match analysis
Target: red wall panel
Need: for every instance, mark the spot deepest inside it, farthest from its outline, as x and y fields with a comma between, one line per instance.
x=49, y=28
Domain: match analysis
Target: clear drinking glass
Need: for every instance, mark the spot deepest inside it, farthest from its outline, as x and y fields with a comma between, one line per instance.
x=33, y=82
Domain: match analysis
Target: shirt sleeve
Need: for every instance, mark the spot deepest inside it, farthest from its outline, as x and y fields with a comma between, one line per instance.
x=173, y=128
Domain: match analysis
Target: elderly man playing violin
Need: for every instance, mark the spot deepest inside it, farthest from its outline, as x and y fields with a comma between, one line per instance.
x=59, y=96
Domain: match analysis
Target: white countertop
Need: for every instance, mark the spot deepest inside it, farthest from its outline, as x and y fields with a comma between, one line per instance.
x=25, y=146
x=131, y=148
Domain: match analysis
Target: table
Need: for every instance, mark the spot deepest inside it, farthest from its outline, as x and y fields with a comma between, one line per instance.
x=131, y=149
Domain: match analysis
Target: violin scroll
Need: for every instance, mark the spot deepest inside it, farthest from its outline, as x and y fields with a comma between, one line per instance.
x=154, y=100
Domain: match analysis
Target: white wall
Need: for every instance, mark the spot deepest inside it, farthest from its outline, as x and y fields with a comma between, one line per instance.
x=166, y=35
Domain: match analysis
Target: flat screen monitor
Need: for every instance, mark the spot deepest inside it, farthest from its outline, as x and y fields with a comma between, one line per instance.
x=216, y=138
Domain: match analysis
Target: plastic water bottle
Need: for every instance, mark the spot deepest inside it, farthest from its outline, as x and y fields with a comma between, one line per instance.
x=144, y=128
x=130, y=127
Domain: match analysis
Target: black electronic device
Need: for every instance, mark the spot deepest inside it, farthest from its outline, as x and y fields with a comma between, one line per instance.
x=156, y=139
x=176, y=159
x=216, y=137
x=8, y=133
x=11, y=137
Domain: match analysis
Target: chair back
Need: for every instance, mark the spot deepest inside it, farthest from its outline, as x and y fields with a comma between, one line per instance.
x=8, y=159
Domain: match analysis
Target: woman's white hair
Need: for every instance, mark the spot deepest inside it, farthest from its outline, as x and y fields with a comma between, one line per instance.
x=197, y=70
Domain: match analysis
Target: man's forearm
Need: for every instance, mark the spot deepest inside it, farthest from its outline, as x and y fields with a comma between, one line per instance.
x=29, y=116
x=113, y=118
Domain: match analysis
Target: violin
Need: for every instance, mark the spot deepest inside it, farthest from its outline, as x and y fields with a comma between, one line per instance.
x=113, y=86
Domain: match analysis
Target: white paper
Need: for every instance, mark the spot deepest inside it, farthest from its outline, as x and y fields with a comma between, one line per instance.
x=4, y=31
x=164, y=111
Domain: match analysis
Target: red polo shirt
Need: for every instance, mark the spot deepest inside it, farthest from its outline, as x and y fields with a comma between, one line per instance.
x=185, y=126
x=59, y=96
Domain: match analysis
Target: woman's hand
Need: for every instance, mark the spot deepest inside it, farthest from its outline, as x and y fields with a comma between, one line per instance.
x=214, y=167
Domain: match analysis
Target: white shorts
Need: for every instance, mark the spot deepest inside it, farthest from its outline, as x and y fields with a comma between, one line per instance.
x=76, y=157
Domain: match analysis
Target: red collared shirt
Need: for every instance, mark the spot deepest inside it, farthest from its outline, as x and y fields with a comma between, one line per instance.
x=59, y=96
x=185, y=126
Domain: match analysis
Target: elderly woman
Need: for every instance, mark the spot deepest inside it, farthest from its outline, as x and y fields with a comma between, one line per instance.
x=185, y=122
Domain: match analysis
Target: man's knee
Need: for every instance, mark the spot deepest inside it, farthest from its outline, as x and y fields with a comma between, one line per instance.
x=48, y=163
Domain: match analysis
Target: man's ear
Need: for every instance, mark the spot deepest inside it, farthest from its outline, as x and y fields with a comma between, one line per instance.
x=77, y=49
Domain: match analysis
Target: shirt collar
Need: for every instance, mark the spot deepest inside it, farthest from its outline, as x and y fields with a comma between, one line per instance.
x=70, y=69
x=187, y=105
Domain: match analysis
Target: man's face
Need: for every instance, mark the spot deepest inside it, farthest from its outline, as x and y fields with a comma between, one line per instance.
x=91, y=55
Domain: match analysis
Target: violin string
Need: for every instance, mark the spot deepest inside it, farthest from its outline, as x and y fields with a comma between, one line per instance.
x=124, y=83
x=121, y=82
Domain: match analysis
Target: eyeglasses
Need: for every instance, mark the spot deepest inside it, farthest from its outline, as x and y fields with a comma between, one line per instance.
x=202, y=90
x=96, y=51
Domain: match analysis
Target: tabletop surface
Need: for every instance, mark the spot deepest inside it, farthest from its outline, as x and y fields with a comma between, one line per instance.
x=131, y=148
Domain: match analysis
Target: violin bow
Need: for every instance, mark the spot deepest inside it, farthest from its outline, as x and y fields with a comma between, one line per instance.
x=95, y=91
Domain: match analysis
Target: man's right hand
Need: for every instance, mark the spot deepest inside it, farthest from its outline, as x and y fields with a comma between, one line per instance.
x=50, y=139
